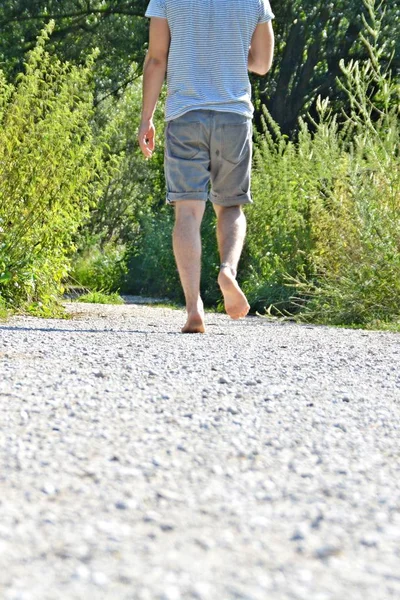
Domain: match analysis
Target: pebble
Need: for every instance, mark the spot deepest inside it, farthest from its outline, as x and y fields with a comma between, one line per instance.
x=171, y=593
x=167, y=527
x=99, y=579
x=371, y=540
x=327, y=550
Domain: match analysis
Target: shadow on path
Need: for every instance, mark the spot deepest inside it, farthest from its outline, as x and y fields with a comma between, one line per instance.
x=54, y=329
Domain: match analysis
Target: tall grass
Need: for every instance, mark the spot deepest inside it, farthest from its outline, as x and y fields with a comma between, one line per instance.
x=324, y=233
x=49, y=164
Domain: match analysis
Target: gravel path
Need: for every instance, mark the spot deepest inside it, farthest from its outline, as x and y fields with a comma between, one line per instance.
x=257, y=462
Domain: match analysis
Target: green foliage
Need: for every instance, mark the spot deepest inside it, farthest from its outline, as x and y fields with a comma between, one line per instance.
x=327, y=212
x=100, y=268
x=152, y=267
x=116, y=27
x=311, y=39
x=100, y=297
x=3, y=309
x=323, y=235
x=120, y=225
x=49, y=172
x=323, y=232
x=135, y=187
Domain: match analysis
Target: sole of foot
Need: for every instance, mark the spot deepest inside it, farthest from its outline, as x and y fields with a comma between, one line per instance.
x=236, y=305
x=194, y=324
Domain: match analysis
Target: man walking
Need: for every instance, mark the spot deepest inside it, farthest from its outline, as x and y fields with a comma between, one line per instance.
x=208, y=47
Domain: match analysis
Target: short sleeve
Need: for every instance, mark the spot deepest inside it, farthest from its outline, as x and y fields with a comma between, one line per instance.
x=156, y=8
x=265, y=13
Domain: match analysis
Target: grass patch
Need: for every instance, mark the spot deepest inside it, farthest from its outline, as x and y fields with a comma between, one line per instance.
x=4, y=313
x=101, y=298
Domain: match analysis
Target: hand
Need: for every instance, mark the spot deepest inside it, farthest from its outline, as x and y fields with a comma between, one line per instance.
x=146, y=137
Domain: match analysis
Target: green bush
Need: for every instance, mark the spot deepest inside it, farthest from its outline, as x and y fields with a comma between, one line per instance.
x=49, y=168
x=152, y=267
x=100, y=268
x=324, y=233
x=135, y=188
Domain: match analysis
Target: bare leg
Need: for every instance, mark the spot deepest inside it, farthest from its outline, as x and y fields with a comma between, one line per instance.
x=187, y=250
x=231, y=231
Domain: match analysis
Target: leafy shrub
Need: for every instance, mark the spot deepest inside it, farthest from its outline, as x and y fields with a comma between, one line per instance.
x=325, y=225
x=135, y=188
x=49, y=166
x=100, y=268
x=152, y=267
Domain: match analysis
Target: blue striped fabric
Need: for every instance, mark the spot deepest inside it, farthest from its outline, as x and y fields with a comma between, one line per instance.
x=207, y=63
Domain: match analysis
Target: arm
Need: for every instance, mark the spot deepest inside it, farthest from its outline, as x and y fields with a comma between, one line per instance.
x=262, y=49
x=155, y=66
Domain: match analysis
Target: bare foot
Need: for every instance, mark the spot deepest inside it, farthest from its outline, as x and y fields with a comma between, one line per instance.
x=195, y=321
x=235, y=301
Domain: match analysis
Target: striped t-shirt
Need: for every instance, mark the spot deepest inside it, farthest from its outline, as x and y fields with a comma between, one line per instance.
x=207, y=62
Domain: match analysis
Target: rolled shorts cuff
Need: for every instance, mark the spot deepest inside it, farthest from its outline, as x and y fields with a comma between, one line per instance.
x=176, y=196
x=231, y=201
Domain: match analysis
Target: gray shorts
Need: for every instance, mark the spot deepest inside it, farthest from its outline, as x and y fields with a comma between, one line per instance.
x=204, y=146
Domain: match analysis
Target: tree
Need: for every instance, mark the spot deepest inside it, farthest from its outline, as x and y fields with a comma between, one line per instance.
x=117, y=27
x=311, y=38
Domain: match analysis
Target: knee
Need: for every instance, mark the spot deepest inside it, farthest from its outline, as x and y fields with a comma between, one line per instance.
x=228, y=210
x=191, y=212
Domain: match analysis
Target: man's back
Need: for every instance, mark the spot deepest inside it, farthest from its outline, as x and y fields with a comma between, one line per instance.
x=208, y=55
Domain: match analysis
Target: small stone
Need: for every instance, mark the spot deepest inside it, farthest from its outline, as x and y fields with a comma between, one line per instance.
x=203, y=544
x=166, y=494
x=223, y=380
x=326, y=551
x=121, y=505
x=370, y=540
x=297, y=535
x=82, y=572
x=171, y=593
x=300, y=532
x=201, y=590
x=99, y=578
x=167, y=527
x=217, y=470
x=315, y=523
x=305, y=575
x=49, y=489
x=125, y=579
x=100, y=374
x=341, y=426
x=151, y=517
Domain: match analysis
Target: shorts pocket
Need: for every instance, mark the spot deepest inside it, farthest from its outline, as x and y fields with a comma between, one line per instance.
x=236, y=141
x=183, y=139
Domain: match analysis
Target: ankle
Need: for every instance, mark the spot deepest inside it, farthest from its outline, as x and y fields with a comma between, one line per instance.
x=195, y=308
x=226, y=269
